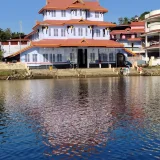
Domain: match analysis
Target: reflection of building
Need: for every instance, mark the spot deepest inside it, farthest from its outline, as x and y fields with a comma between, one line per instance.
x=72, y=31
x=152, y=34
x=78, y=126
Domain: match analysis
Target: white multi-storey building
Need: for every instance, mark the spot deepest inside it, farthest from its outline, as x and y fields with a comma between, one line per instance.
x=72, y=31
x=152, y=34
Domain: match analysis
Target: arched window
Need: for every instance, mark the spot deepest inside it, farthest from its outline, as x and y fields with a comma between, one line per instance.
x=111, y=57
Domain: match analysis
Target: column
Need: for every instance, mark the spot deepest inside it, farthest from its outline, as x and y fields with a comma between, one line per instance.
x=88, y=55
x=146, y=45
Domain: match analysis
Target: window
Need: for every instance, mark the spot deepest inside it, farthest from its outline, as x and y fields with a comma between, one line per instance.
x=56, y=32
x=63, y=32
x=74, y=32
x=80, y=12
x=53, y=58
x=88, y=14
x=86, y=31
x=96, y=14
x=92, y=56
x=104, y=57
x=59, y=57
x=111, y=57
x=45, y=57
x=80, y=31
x=49, y=31
x=63, y=13
x=72, y=57
x=34, y=57
x=75, y=12
x=50, y=58
x=98, y=32
x=54, y=13
x=27, y=58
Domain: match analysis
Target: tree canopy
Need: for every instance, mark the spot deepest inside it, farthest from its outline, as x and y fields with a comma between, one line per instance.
x=8, y=34
x=126, y=20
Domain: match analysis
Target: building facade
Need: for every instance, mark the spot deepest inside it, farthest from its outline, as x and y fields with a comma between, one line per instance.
x=130, y=36
x=152, y=34
x=72, y=31
x=13, y=45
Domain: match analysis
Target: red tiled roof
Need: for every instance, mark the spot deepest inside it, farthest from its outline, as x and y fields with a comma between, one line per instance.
x=78, y=43
x=74, y=22
x=127, y=31
x=30, y=34
x=129, y=51
x=65, y=4
x=139, y=23
x=71, y=43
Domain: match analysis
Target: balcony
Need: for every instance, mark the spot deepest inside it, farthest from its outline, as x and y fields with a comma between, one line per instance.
x=153, y=14
x=154, y=26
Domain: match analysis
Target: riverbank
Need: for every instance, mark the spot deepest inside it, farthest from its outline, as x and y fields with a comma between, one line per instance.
x=23, y=74
x=64, y=73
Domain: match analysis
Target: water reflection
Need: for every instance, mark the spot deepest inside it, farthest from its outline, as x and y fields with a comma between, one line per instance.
x=86, y=118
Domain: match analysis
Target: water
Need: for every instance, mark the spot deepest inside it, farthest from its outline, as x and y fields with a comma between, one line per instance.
x=97, y=119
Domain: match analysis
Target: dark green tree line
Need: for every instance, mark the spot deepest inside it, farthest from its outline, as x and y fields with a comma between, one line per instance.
x=127, y=20
x=8, y=34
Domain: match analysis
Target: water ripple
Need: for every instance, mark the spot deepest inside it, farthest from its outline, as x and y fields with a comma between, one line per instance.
x=110, y=118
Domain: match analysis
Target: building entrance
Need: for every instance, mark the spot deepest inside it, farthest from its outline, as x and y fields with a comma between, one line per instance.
x=121, y=60
x=82, y=58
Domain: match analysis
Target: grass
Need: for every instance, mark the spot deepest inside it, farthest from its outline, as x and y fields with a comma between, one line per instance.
x=11, y=72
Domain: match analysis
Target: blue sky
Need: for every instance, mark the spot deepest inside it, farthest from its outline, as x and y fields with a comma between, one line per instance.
x=12, y=12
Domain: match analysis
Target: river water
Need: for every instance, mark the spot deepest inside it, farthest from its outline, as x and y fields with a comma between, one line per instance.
x=101, y=119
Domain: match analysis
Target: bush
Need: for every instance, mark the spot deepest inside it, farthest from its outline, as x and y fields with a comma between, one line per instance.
x=1, y=55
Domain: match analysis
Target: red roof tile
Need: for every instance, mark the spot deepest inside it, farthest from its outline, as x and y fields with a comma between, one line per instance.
x=65, y=4
x=139, y=23
x=77, y=43
x=74, y=22
x=127, y=31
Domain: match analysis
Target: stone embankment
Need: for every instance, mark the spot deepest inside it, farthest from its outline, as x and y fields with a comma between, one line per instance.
x=151, y=71
x=20, y=72
x=63, y=73
x=14, y=71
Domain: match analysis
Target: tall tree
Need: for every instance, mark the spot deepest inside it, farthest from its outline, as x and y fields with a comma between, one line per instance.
x=142, y=16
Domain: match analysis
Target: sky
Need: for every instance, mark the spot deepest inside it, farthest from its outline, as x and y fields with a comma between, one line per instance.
x=12, y=12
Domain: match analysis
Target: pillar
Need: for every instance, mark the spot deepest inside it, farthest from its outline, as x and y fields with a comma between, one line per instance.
x=146, y=45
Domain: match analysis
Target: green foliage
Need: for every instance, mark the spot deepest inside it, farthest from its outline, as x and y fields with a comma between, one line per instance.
x=8, y=34
x=1, y=55
x=142, y=16
x=126, y=20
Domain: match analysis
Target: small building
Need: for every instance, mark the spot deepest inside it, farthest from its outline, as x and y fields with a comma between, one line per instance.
x=72, y=32
x=130, y=36
x=13, y=45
